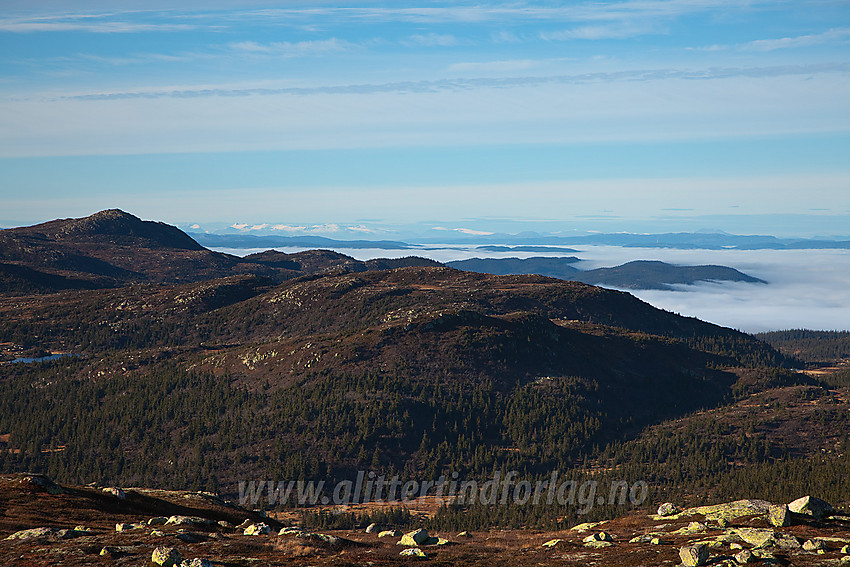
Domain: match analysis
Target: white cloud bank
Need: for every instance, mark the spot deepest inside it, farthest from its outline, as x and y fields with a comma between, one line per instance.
x=806, y=288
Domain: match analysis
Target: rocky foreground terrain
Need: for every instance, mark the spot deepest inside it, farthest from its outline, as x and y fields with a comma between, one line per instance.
x=43, y=523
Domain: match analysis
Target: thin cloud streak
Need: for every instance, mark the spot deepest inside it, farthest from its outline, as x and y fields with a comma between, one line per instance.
x=458, y=84
x=627, y=11
x=830, y=36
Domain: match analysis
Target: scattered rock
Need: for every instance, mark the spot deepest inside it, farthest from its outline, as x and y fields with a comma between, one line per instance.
x=35, y=533
x=815, y=545
x=124, y=527
x=390, y=533
x=744, y=557
x=414, y=538
x=694, y=555
x=413, y=552
x=846, y=550
x=197, y=562
x=785, y=541
x=755, y=536
x=42, y=482
x=779, y=516
x=598, y=544
x=692, y=528
x=552, y=542
x=187, y=520
x=373, y=527
x=730, y=511
x=811, y=506
x=289, y=530
x=158, y=521
x=166, y=556
x=257, y=529
x=191, y=537
x=601, y=536
x=668, y=509
x=109, y=550
x=247, y=522
x=464, y=535
x=116, y=492
x=586, y=526
x=328, y=540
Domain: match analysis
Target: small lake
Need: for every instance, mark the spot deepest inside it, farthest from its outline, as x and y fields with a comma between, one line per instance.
x=47, y=358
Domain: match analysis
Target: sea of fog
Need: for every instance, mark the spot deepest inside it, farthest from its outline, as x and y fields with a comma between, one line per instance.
x=806, y=288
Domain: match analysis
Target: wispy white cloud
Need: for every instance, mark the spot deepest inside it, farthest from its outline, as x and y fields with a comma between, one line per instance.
x=308, y=229
x=503, y=66
x=600, y=32
x=504, y=36
x=288, y=228
x=831, y=36
x=466, y=84
x=513, y=12
x=364, y=229
x=469, y=231
x=431, y=40
x=291, y=49
x=91, y=23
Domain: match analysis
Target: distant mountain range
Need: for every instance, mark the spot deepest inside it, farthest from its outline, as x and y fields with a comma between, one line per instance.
x=114, y=248
x=533, y=242
x=274, y=241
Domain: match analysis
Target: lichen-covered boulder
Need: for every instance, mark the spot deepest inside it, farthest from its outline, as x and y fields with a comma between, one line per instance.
x=34, y=533
x=116, y=492
x=166, y=557
x=414, y=538
x=257, y=529
x=730, y=511
x=779, y=516
x=815, y=545
x=694, y=555
x=667, y=509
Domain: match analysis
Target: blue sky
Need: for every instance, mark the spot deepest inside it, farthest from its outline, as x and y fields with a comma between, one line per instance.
x=631, y=115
